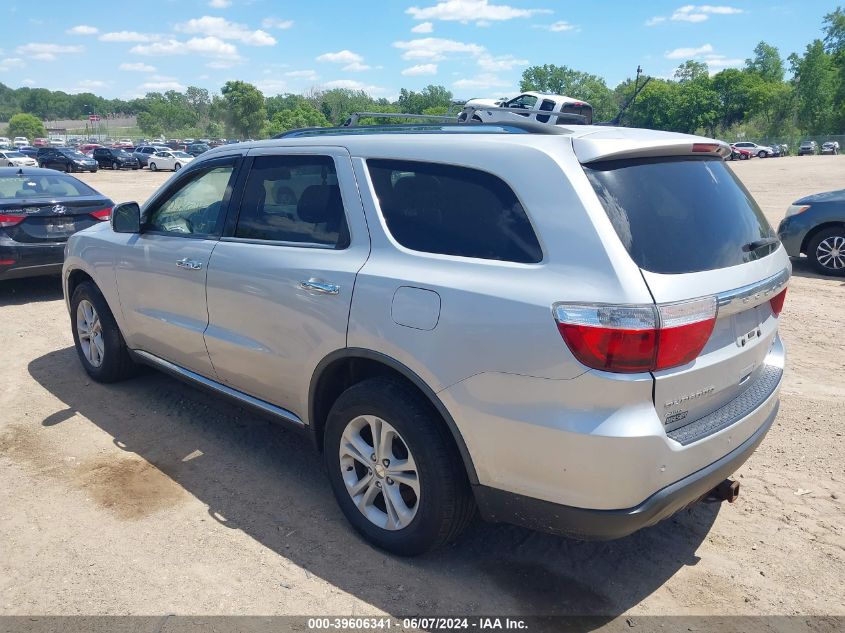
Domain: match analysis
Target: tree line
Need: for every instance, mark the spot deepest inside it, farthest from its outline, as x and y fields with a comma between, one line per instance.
x=769, y=97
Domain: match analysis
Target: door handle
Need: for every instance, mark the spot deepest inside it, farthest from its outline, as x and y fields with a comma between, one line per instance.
x=320, y=287
x=189, y=264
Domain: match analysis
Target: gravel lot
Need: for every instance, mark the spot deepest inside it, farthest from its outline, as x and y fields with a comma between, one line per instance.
x=151, y=497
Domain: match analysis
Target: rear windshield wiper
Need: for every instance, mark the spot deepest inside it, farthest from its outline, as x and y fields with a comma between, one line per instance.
x=757, y=244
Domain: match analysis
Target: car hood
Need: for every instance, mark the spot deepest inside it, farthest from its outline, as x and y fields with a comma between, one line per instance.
x=827, y=196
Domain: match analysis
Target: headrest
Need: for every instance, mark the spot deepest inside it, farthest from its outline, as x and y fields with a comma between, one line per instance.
x=320, y=203
x=25, y=193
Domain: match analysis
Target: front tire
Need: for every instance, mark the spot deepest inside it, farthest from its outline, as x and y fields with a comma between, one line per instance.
x=99, y=343
x=826, y=252
x=394, y=468
x=761, y=154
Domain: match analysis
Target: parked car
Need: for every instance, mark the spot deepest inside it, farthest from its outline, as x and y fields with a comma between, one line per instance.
x=418, y=306
x=40, y=142
x=12, y=158
x=20, y=141
x=29, y=151
x=55, y=141
x=536, y=102
x=39, y=210
x=87, y=148
x=739, y=153
x=168, y=159
x=195, y=149
x=111, y=158
x=64, y=159
x=815, y=226
x=776, y=150
x=830, y=147
x=807, y=147
x=143, y=153
x=760, y=151
x=5, y=141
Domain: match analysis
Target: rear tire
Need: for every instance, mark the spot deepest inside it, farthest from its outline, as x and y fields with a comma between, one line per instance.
x=177, y=167
x=99, y=343
x=408, y=521
x=743, y=157
x=826, y=252
x=153, y=167
x=761, y=154
x=115, y=166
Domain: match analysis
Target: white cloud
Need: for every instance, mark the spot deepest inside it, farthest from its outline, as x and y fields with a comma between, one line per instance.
x=420, y=69
x=91, y=84
x=127, y=36
x=47, y=52
x=341, y=57
x=471, y=11
x=503, y=62
x=11, y=62
x=225, y=30
x=484, y=81
x=271, y=86
x=158, y=86
x=689, y=53
x=276, y=23
x=560, y=26
x=308, y=75
x=354, y=62
x=716, y=63
x=220, y=4
x=694, y=13
x=205, y=46
x=436, y=49
x=139, y=67
x=28, y=82
x=423, y=27
x=83, y=29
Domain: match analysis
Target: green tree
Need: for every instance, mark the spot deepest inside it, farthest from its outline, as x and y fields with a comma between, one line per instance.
x=149, y=125
x=430, y=97
x=766, y=63
x=26, y=125
x=572, y=83
x=816, y=86
x=692, y=70
x=303, y=116
x=244, y=111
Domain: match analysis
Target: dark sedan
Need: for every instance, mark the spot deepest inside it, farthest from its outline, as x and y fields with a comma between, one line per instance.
x=64, y=159
x=195, y=149
x=39, y=210
x=114, y=158
x=815, y=226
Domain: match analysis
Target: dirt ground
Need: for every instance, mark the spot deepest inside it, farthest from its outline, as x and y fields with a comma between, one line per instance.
x=150, y=497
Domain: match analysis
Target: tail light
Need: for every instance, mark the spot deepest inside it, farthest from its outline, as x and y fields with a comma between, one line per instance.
x=102, y=214
x=10, y=220
x=777, y=302
x=633, y=339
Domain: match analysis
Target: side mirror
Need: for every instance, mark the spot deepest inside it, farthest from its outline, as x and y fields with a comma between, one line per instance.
x=126, y=218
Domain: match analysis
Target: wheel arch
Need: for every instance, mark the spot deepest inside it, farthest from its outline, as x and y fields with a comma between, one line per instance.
x=805, y=243
x=343, y=368
x=75, y=277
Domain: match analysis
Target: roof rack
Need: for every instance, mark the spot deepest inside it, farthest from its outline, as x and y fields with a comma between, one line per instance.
x=516, y=127
x=355, y=117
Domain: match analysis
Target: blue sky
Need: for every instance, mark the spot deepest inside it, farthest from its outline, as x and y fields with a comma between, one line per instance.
x=474, y=47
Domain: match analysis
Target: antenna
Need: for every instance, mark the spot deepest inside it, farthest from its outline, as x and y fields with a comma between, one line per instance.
x=637, y=90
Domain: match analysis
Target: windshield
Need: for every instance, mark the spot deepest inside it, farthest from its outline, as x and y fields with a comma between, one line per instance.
x=681, y=215
x=120, y=152
x=74, y=154
x=13, y=155
x=44, y=187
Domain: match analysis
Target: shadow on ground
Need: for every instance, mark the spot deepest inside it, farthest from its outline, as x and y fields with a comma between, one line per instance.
x=801, y=267
x=267, y=481
x=30, y=290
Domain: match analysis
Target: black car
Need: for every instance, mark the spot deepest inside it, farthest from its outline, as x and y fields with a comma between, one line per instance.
x=815, y=226
x=195, y=149
x=64, y=159
x=113, y=158
x=39, y=210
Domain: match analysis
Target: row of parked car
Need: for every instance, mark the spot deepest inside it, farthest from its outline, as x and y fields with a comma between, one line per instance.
x=72, y=160
x=744, y=150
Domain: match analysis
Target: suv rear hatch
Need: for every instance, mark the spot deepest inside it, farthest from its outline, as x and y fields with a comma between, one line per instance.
x=696, y=233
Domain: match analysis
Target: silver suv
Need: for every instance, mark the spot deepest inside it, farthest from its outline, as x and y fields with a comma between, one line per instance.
x=574, y=330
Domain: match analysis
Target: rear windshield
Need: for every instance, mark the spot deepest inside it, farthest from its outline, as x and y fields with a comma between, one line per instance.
x=43, y=187
x=583, y=109
x=681, y=215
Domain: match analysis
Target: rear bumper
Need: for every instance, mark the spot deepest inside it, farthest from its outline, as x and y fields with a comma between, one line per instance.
x=507, y=507
x=30, y=260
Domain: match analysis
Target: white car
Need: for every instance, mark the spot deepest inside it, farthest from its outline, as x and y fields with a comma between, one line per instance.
x=11, y=158
x=55, y=141
x=5, y=141
x=169, y=160
x=20, y=141
x=760, y=151
x=539, y=103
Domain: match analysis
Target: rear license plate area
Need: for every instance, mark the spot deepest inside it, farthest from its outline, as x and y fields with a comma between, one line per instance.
x=747, y=327
x=59, y=226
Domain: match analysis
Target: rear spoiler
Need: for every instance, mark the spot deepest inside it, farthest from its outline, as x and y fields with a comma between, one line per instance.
x=622, y=143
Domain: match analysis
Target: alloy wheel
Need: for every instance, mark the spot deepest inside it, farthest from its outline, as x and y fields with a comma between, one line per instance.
x=831, y=252
x=90, y=331
x=379, y=472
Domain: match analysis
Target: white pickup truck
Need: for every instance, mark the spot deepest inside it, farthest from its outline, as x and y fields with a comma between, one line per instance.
x=539, y=104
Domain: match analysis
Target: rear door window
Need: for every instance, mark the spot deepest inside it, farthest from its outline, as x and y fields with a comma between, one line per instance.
x=681, y=215
x=451, y=210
